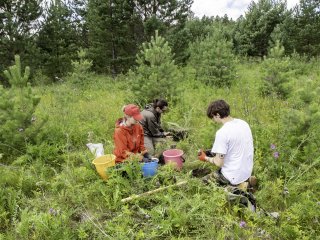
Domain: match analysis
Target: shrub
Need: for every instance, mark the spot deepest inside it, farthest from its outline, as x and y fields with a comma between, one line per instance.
x=51, y=155
x=302, y=120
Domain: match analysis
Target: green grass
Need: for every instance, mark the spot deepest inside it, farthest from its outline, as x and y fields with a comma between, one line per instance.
x=53, y=191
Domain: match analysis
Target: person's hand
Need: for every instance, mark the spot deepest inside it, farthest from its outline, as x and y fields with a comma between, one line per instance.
x=134, y=155
x=146, y=157
x=201, y=155
x=144, y=152
x=168, y=135
x=128, y=153
x=141, y=158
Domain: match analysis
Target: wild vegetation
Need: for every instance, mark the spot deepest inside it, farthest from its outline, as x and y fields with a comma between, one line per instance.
x=52, y=191
x=264, y=69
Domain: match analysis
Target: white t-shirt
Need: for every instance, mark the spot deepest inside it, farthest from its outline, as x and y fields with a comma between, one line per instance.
x=234, y=140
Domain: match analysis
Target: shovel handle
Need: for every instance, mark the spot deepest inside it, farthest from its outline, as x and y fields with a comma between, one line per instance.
x=152, y=191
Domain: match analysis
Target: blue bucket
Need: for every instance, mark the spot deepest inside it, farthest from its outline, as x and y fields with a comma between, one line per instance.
x=149, y=169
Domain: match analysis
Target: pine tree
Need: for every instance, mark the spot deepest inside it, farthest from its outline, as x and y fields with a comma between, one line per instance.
x=276, y=71
x=18, y=27
x=168, y=17
x=17, y=107
x=81, y=68
x=252, y=33
x=161, y=15
x=302, y=28
x=57, y=40
x=114, y=35
x=156, y=75
x=213, y=59
x=118, y=27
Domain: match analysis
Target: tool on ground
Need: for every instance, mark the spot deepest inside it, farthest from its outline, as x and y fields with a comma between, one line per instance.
x=128, y=199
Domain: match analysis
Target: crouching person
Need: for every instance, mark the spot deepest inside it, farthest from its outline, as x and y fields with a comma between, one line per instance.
x=151, y=123
x=232, y=150
x=128, y=135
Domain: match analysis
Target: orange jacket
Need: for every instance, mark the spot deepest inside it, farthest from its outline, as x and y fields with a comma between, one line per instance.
x=127, y=139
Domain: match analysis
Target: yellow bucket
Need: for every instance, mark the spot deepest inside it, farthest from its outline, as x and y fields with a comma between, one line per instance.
x=104, y=162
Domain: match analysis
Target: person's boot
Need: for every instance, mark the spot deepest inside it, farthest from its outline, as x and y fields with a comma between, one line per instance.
x=253, y=183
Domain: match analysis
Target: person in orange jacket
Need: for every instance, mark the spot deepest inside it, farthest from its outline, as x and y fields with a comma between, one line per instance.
x=128, y=135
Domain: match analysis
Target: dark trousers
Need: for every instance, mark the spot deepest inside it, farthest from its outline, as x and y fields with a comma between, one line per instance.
x=218, y=177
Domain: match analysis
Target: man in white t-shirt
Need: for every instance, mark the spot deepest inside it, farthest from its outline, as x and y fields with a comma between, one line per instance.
x=232, y=148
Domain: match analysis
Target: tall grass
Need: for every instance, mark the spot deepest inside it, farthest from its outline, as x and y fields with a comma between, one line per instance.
x=53, y=192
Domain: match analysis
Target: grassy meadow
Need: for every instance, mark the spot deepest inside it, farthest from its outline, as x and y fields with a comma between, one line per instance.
x=53, y=191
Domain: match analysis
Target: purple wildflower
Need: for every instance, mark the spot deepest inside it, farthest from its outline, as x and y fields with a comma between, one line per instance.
x=276, y=154
x=272, y=146
x=242, y=224
x=52, y=212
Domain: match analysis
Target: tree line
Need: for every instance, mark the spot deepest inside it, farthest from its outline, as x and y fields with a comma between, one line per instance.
x=48, y=34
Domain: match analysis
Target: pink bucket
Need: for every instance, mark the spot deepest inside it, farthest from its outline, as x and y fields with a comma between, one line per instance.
x=174, y=156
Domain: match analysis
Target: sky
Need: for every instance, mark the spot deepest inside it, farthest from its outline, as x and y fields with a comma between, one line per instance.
x=233, y=8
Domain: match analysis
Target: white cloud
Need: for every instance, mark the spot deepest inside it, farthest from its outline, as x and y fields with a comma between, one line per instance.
x=233, y=8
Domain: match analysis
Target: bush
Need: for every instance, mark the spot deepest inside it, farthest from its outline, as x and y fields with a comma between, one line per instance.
x=302, y=120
